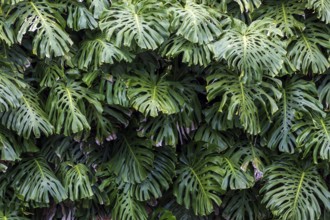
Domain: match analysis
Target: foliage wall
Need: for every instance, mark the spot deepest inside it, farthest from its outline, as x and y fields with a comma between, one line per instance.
x=159, y=109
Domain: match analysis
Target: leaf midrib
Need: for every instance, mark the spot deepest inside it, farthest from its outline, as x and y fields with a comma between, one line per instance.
x=298, y=191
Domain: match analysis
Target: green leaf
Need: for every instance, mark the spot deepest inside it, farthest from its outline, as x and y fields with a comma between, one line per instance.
x=127, y=207
x=98, y=51
x=9, y=147
x=10, y=93
x=143, y=23
x=65, y=107
x=43, y=18
x=192, y=53
x=35, y=181
x=248, y=5
x=322, y=7
x=213, y=137
x=241, y=205
x=159, y=178
x=235, y=177
x=29, y=118
x=196, y=23
x=305, y=52
x=77, y=182
x=151, y=94
x=244, y=100
x=6, y=32
x=98, y=6
x=283, y=12
x=79, y=17
x=324, y=91
x=298, y=97
x=254, y=50
x=198, y=183
x=50, y=74
x=132, y=160
x=315, y=136
x=294, y=190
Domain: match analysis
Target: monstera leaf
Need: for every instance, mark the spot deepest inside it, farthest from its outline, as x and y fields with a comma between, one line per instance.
x=160, y=177
x=241, y=205
x=253, y=49
x=196, y=23
x=98, y=6
x=64, y=106
x=151, y=94
x=248, y=5
x=294, y=190
x=198, y=182
x=235, y=177
x=127, y=207
x=10, y=93
x=306, y=52
x=9, y=147
x=213, y=137
x=77, y=182
x=283, y=12
x=324, y=91
x=322, y=7
x=133, y=159
x=315, y=136
x=143, y=23
x=6, y=32
x=98, y=51
x=43, y=18
x=192, y=53
x=79, y=17
x=29, y=118
x=35, y=181
x=242, y=99
x=298, y=97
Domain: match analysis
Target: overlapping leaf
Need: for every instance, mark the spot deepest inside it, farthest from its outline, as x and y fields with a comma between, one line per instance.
x=143, y=23
x=254, y=50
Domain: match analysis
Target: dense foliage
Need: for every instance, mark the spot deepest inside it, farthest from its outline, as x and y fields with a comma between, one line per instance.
x=164, y=109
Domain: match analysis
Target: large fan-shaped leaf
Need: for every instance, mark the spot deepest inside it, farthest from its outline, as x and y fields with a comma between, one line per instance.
x=244, y=99
x=10, y=93
x=298, y=96
x=241, y=205
x=170, y=129
x=34, y=180
x=324, y=90
x=98, y=51
x=322, y=7
x=128, y=208
x=65, y=108
x=196, y=22
x=192, y=53
x=160, y=177
x=77, y=181
x=143, y=23
x=253, y=49
x=43, y=18
x=248, y=5
x=198, y=183
x=6, y=32
x=306, y=52
x=79, y=17
x=98, y=6
x=283, y=12
x=294, y=191
x=315, y=136
x=213, y=137
x=235, y=177
x=132, y=160
x=152, y=94
x=29, y=118
x=9, y=147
